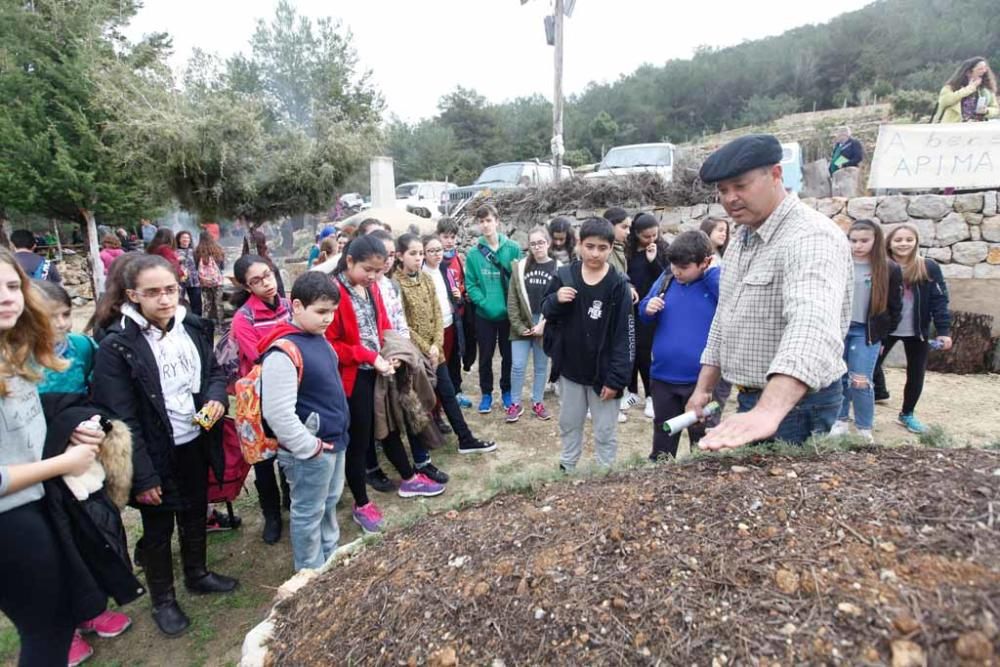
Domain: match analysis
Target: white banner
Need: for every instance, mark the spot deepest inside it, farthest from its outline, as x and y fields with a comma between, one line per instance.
x=954, y=155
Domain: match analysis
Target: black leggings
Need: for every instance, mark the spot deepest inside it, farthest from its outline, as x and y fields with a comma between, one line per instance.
x=362, y=436
x=916, y=367
x=640, y=369
x=488, y=334
x=33, y=587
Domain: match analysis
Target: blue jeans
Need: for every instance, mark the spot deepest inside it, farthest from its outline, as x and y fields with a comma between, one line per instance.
x=316, y=485
x=520, y=351
x=813, y=415
x=857, y=381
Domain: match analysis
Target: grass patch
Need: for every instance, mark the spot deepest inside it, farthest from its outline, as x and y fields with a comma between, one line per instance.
x=936, y=437
x=9, y=643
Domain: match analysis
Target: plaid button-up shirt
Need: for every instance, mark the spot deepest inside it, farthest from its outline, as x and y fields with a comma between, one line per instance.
x=784, y=301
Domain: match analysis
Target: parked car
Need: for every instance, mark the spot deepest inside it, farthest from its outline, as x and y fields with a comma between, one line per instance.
x=505, y=176
x=637, y=159
x=351, y=200
x=422, y=197
x=791, y=166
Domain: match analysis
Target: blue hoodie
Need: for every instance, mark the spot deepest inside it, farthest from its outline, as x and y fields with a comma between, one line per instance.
x=682, y=326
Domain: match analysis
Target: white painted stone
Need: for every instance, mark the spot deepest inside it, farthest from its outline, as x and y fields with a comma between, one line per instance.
x=991, y=228
x=975, y=233
x=940, y=255
x=973, y=218
x=932, y=207
x=986, y=271
x=254, y=652
x=293, y=585
x=832, y=206
x=971, y=202
x=951, y=229
x=893, y=208
x=990, y=202
x=862, y=207
x=969, y=253
x=956, y=272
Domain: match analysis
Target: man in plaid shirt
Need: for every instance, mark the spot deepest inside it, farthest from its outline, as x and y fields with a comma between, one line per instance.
x=784, y=304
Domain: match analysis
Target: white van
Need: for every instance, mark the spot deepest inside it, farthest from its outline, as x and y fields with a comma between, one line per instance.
x=637, y=159
x=422, y=197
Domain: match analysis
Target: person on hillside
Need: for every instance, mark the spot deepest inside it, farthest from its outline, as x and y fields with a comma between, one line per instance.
x=875, y=312
x=37, y=591
x=529, y=283
x=679, y=307
x=157, y=371
x=925, y=300
x=646, y=254
x=487, y=276
x=462, y=341
x=259, y=310
x=784, y=304
x=111, y=249
x=164, y=245
x=210, y=260
x=970, y=95
x=590, y=303
x=563, y=246
x=847, y=151
x=77, y=350
x=421, y=291
x=36, y=266
x=309, y=418
x=148, y=230
x=190, y=279
x=358, y=336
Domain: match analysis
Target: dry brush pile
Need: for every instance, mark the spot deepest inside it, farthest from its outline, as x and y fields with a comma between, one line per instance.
x=877, y=557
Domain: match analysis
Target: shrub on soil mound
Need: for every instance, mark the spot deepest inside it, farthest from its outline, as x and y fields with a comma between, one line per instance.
x=866, y=557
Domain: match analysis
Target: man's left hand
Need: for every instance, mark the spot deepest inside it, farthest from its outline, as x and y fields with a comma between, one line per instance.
x=607, y=393
x=741, y=429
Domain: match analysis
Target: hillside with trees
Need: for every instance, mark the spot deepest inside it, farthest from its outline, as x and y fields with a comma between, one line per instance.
x=904, y=48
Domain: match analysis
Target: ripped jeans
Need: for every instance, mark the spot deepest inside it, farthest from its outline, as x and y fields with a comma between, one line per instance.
x=857, y=382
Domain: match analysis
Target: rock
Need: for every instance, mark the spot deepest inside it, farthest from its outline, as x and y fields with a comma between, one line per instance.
x=951, y=229
x=671, y=220
x=933, y=207
x=811, y=202
x=849, y=609
x=940, y=255
x=776, y=472
x=892, y=208
x=717, y=211
x=975, y=233
x=990, y=203
x=739, y=469
x=969, y=253
x=843, y=221
x=293, y=585
x=973, y=218
x=816, y=179
x=254, y=652
x=846, y=182
x=445, y=657
x=957, y=271
x=698, y=211
x=787, y=581
x=926, y=230
x=907, y=654
x=991, y=228
x=481, y=589
x=905, y=623
x=993, y=256
x=862, y=207
x=974, y=646
x=986, y=272
x=969, y=203
x=832, y=206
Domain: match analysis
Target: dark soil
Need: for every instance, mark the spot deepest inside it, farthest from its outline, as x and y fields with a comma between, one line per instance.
x=879, y=556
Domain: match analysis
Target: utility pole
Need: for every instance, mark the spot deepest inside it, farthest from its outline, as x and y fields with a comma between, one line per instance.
x=557, y=97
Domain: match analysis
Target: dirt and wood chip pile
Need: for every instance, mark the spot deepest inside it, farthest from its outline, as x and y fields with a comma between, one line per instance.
x=876, y=556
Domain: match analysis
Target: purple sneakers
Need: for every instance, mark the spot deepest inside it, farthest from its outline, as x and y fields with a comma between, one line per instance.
x=420, y=485
x=369, y=517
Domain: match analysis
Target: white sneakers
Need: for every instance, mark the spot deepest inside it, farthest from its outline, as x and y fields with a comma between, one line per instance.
x=648, y=410
x=840, y=427
x=628, y=400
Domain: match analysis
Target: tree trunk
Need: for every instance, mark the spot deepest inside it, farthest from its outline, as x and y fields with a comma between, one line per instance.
x=55, y=233
x=973, y=346
x=94, y=253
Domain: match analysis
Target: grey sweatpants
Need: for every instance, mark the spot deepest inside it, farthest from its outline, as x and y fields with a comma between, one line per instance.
x=574, y=401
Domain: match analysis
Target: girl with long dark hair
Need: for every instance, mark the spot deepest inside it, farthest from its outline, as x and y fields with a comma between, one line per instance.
x=189, y=270
x=210, y=261
x=646, y=253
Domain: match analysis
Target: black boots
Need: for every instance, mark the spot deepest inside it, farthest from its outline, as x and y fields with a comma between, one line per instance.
x=197, y=578
x=270, y=507
x=159, y=569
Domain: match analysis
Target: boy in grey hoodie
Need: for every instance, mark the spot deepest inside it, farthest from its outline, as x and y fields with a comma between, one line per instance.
x=304, y=405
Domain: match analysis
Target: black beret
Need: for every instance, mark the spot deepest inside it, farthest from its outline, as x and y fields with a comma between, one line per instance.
x=740, y=156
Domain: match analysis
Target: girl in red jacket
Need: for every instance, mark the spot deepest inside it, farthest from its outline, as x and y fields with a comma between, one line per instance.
x=357, y=335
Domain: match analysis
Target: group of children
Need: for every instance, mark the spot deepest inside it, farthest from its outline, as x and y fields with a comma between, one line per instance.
x=369, y=346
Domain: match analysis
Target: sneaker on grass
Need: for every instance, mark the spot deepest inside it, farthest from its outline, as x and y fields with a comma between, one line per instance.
x=463, y=401
x=420, y=485
x=912, y=424
x=379, y=481
x=628, y=400
x=369, y=517
x=622, y=417
x=106, y=624
x=648, y=408
x=79, y=650
x=217, y=522
x=514, y=412
x=538, y=409
x=432, y=471
x=840, y=427
x=486, y=404
x=476, y=446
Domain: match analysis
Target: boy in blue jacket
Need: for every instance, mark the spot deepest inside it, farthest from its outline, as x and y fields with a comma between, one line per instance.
x=309, y=418
x=589, y=304
x=681, y=305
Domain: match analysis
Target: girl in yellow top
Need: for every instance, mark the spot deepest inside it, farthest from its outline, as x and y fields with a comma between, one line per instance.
x=970, y=95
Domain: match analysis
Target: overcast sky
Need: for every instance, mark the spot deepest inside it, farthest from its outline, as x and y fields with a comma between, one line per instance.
x=419, y=51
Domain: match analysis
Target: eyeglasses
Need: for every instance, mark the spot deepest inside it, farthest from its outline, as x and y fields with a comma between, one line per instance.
x=537, y=244
x=157, y=292
x=259, y=280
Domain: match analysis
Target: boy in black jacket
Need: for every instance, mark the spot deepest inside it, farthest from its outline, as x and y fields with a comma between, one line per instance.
x=589, y=304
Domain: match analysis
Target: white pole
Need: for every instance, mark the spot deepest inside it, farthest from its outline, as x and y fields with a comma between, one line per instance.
x=557, y=98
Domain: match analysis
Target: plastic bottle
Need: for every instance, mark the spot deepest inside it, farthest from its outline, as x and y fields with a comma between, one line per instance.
x=681, y=422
